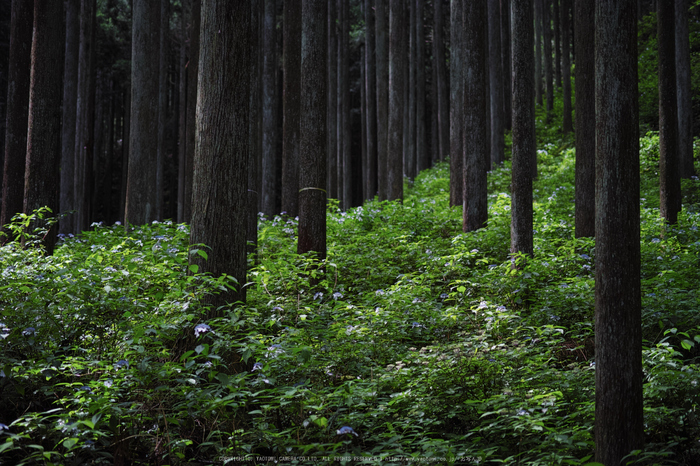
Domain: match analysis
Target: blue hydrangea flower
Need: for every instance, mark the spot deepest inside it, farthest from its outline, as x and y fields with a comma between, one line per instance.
x=347, y=430
x=121, y=363
x=29, y=331
x=257, y=366
x=201, y=329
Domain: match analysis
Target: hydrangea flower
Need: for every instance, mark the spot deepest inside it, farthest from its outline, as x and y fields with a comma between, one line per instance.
x=347, y=430
x=29, y=331
x=201, y=329
x=122, y=363
x=257, y=367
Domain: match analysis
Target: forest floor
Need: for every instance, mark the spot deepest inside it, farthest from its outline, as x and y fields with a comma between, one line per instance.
x=420, y=343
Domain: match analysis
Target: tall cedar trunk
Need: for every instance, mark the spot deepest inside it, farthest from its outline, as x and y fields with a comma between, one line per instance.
x=496, y=78
x=312, y=157
x=476, y=135
x=97, y=147
x=269, y=155
x=107, y=178
x=219, y=198
x=145, y=52
x=523, y=127
x=456, y=102
x=507, y=65
x=684, y=102
x=618, y=337
x=585, y=118
x=191, y=125
x=346, y=139
x=669, y=172
x=538, y=52
x=363, y=121
x=422, y=160
x=340, y=102
x=548, y=76
x=254, y=126
x=182, y=115
x=41, y=173
x=17, y=109
x=290, y=132
x=567, y=123
x=371, y=96
x=70, y=95
x=410, y=152
x=443, y=113
x=164, y=31
x=397, y=57
x=332, y=120
x=382, y=98
x=434, y=139
x=84, y=118
x=557, y=44
x=126, y=129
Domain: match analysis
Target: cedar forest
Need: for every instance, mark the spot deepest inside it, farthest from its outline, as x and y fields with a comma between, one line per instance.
x=350, y=232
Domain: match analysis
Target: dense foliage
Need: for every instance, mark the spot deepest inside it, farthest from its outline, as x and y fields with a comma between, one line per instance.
x=419, y=341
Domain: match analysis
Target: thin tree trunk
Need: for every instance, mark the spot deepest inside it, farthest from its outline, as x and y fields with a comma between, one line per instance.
x=397, y=57
x=496, y=79
x=476, y=134
x=254, y=127
x=182, y=115
x=19, y=72
x=371, y=96
x=410, y=152
x=443, y=120
x=523, y=126
x=346, y=140
x=422, y=156
x=340, y=94
x=557, y=44
x=669, y=172
x=164, y=30
x=126, y=137
x=382, y=98
x=269, y=156
x=456, y=102
x=538, y=52
x=684, y=102
x=548, y=76
x=619, y=418
x=70, y=96
x=192, y=86
x=567, y=123
x=290, y=133
x=332, y=100
x=507, y=65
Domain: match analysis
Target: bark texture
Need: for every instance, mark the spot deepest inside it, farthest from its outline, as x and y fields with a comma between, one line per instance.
x=496, y=78
x=270, y=186
x=507, y=65
x=332, y=110
x=254, y=125
x=382, y=97
x=219, y=197
x=548, y=76
x=685, y=104
x=585, y=118
x=290, y=132
x=191, y=125
x=422, y=156
x=41, y=173
x=456, y=102
x=397, y=57
x=371, y=98
x=523, y=127
x=618, y=338
x=439, y=59
x=567, y=123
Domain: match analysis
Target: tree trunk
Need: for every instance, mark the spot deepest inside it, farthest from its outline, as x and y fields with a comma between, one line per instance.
x=538, y=52
x=397, y=57
x=371, y=96
x=523, y=127
x=346, y=139
x=254, y=126
x=669, y=173
x=140, y=192
x=269, y=155
x=382, y=98
x=618, y=337
x=410, y=131
x=312, y=160
x=567, y=123
x=443, y=114
x=182, y=115
x=557, y=44
x=290, y=133
x=126, y=137
x=70, y=96
x=192, y=86
x=422, y=156
x=476, y=134
x=684, y=102
x=456, y=102
x=507, y=65
x=164, y=33
x=585, y=118
x=496, y=78
x=332, y=100
x=219, y=198
x=548, y=78
x=19, y=72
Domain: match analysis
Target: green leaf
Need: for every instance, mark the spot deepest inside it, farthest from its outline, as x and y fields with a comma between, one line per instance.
x=687, y=344
x=69, y=443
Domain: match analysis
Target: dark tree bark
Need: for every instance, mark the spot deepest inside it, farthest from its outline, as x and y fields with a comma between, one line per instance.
x=548, y=77
x=457, y=84
x=140, y=192
x=345, y=121
x=496, y=78
x=371, y=96
x=567, y=123
x=290, y=133
x=557, y=44
x=410, y=129
x=18, y=79
x=70, y=96
x=523, y=127
x=684, y=100
x=538, y=52
x=270, y=186
x=164, y=33
x=254, y=126
x=585, y=118
x=507, y=65
x=476, y=135
x=443, y=106
x=422, y=156
x=669, y=170
x=382, y=98
x=219, y=197
x=192, y=86
x=333, y=100
x=85, y=110
x=312, y=161
x=182, y=114
x=397, y=57
x=125, y=152
x=41, y=174
x=618, y=337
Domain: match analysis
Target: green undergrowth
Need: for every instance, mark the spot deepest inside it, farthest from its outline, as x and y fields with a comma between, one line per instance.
x=416, y=342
